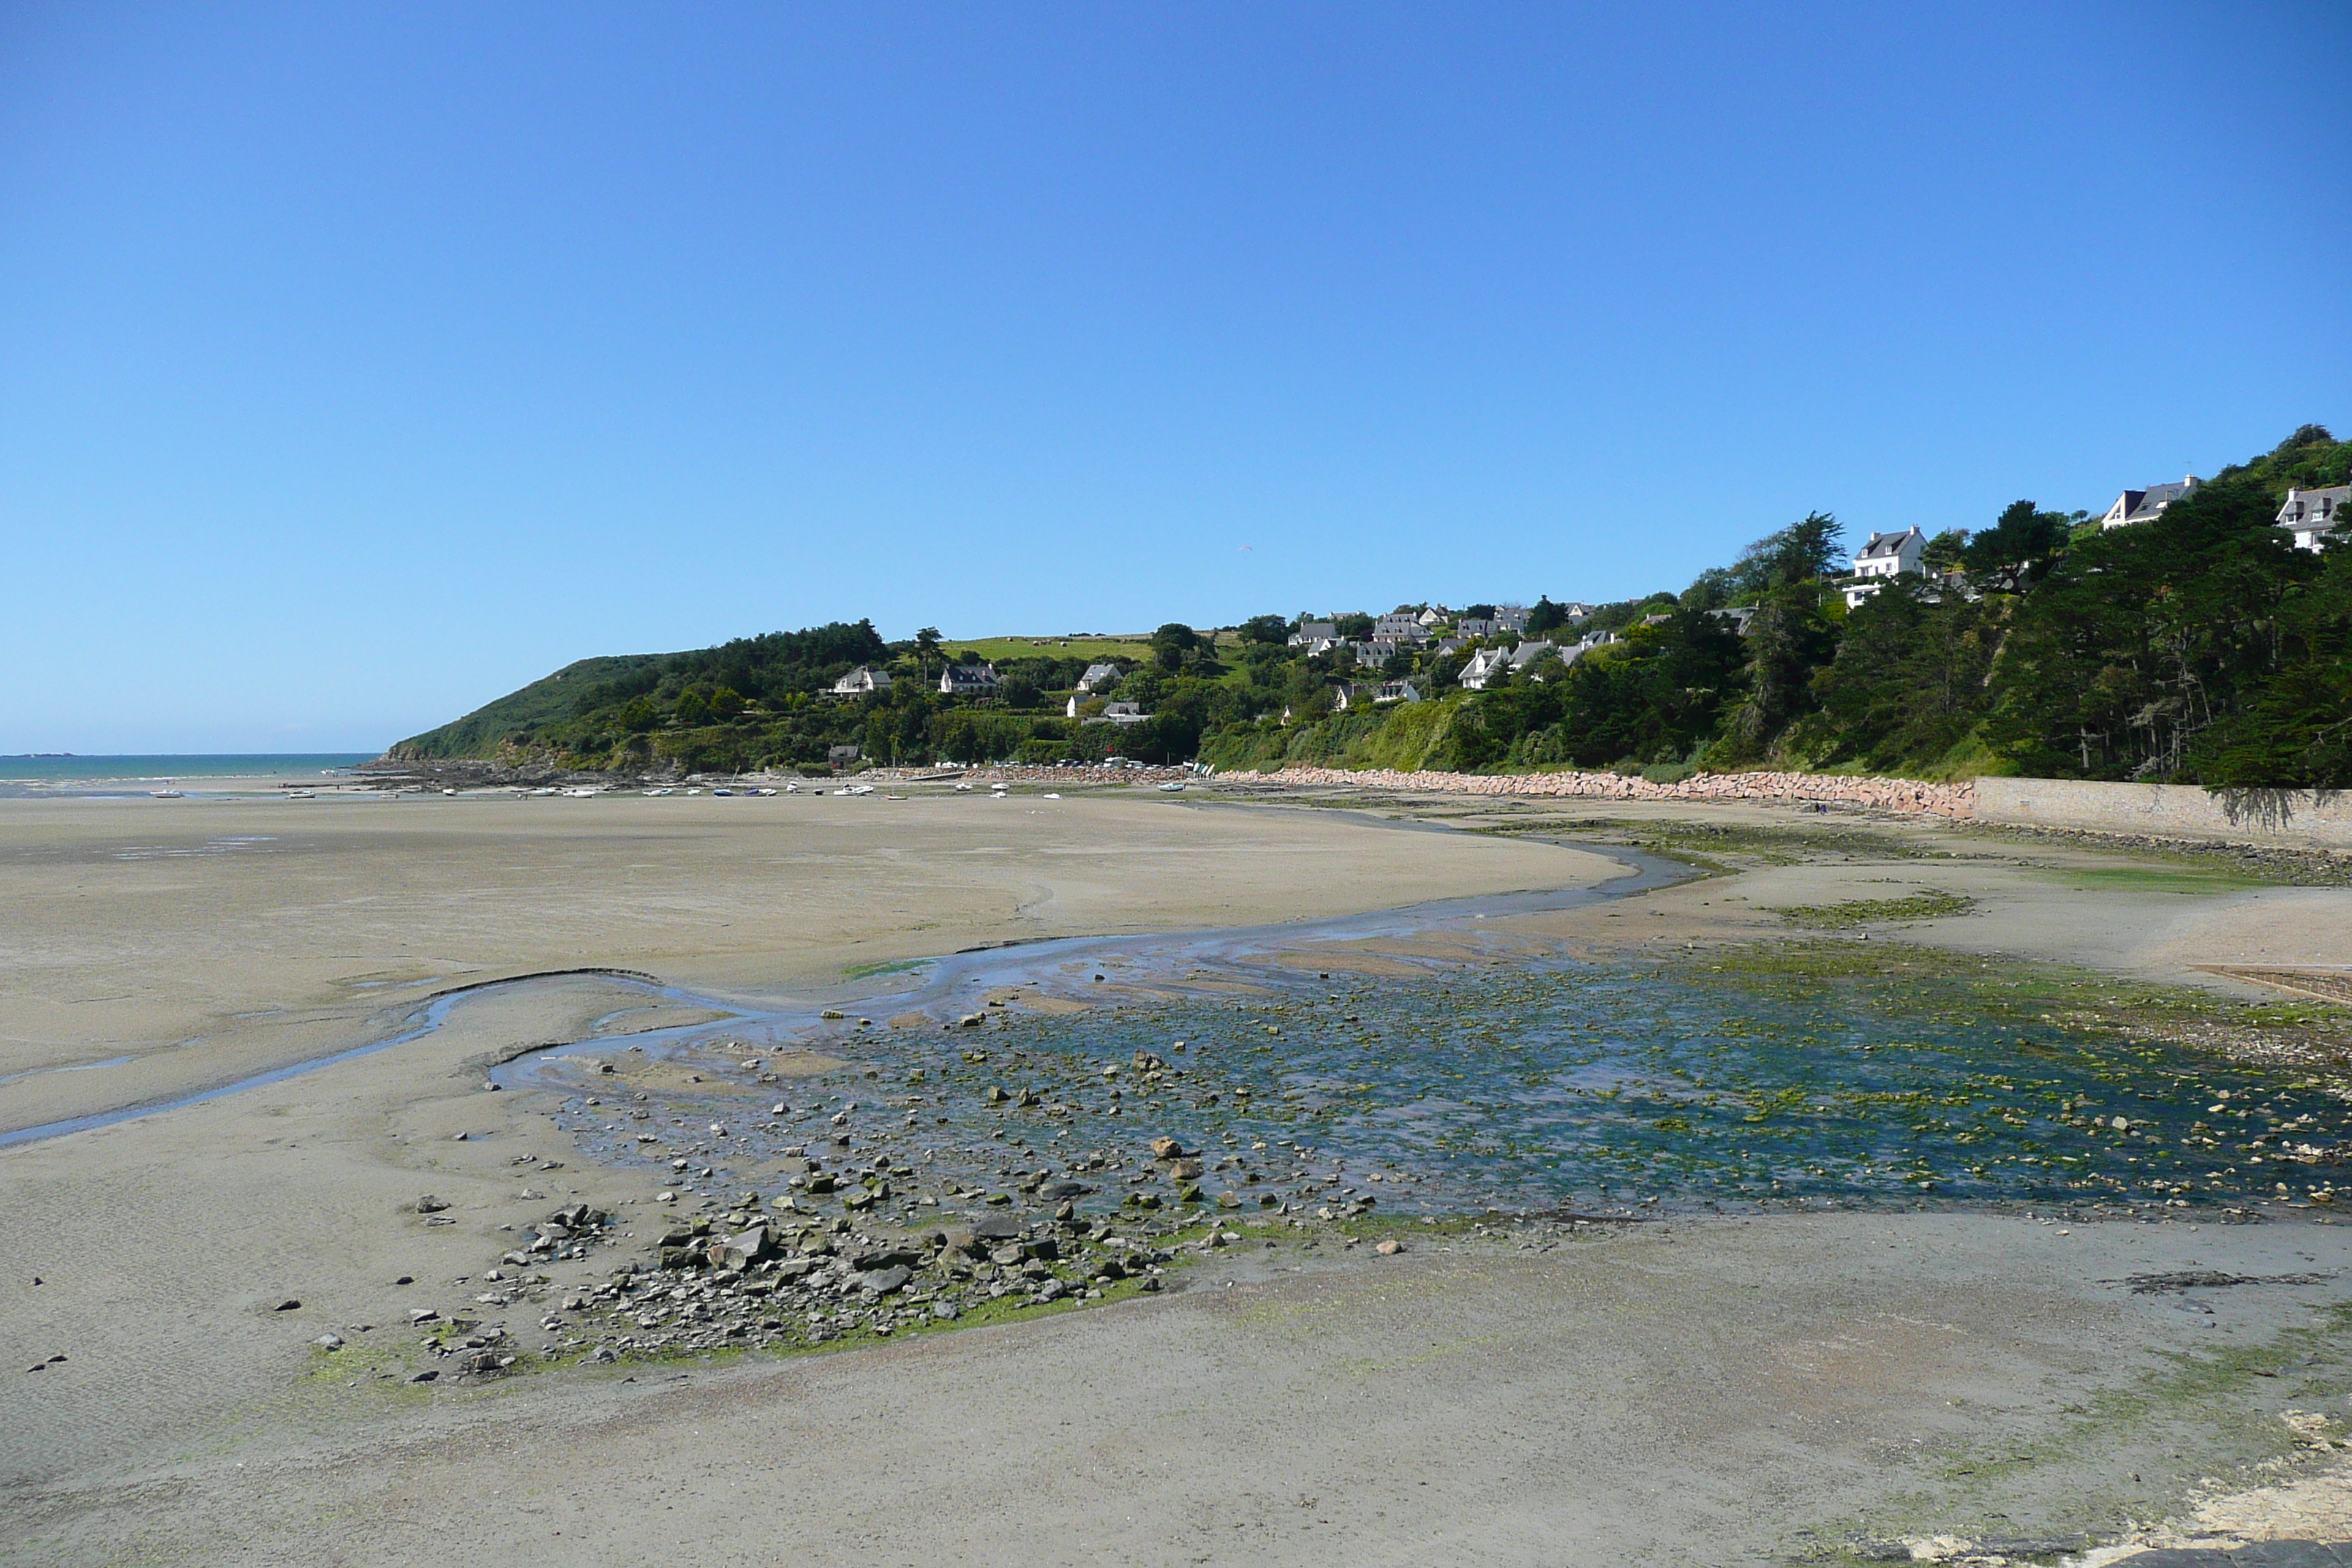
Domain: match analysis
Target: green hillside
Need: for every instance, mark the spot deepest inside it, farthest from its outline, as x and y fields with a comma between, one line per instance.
x=2198, y=647
x=544, y=702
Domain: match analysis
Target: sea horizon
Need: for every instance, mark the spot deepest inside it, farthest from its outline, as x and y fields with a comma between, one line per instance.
x=67, y=770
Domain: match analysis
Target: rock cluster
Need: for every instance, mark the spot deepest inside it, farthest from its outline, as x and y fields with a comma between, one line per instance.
x=783, y=1277
x=568, y=1232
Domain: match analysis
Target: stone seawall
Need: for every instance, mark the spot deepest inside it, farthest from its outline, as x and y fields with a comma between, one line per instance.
x=1869, y=794
x=2320, y=819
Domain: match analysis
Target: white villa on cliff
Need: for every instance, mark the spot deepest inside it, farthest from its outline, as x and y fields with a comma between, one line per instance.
x=858, y=682
x=2146, y=506
x=2312, y=515
x=1886, y=556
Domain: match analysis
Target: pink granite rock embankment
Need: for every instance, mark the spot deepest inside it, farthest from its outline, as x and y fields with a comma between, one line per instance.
x=1958, y=799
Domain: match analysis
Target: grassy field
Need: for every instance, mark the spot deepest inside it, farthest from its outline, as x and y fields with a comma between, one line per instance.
x=1117, y=645
x=1114, y=646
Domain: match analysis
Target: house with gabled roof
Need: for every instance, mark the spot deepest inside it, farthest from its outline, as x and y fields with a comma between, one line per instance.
x=1489, y=662
x=969, y=681
x=2146, y=506
x=1099, y=675
x=2312, y=515
x=1885, y=557
x=858, y=682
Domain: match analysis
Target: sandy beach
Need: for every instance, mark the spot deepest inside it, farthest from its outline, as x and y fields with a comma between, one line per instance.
x=1730, y=1389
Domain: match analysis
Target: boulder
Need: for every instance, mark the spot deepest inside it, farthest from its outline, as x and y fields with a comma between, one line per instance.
x=882, y=1281
x=740, y=1250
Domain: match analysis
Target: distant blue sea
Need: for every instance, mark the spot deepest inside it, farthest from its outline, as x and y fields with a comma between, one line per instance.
x=101, y=775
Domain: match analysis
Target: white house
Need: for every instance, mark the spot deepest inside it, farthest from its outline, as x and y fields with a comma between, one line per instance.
x=2144, y=506
x=1398, y=691
x=1099, y=675
x=1433, y=617
x=1309, y=633
x=1475, y=627
x=1483, y=665
x=1489, y=662
x=1511, y=618
x=861, y=680
x=968, y=680
x=2312, y=515
x=1399, y=629
x=1119, y=713
x=1887, y=555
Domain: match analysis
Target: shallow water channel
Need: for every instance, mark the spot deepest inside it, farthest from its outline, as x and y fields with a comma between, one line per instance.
x=1516, y=1086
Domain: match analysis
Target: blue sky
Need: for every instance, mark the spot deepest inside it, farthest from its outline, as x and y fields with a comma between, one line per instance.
x=359, y=363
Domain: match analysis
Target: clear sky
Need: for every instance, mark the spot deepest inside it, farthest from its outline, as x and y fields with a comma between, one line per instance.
x=359, y=363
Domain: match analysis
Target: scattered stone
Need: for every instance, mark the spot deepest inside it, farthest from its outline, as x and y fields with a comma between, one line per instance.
x=1390, y=1248
x=428, y=1203
x=428, y=1376
x=291, y=1303
x=329, y=1341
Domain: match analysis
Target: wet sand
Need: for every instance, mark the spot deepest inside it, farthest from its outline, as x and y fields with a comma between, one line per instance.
x=1701, y=1391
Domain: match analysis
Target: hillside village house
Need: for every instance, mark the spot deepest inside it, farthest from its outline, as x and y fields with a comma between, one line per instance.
x=2145, y=506
x=1118, y=713
x=1099, y=675
x=1511, y=618
x=858, y=682
x=968, y=680
x=1489, y=662
x=2312, y=515
x=1483, y=665
x=1398, y=691
x=1310, y=633
x=1399, y=629
x=1886, y=556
